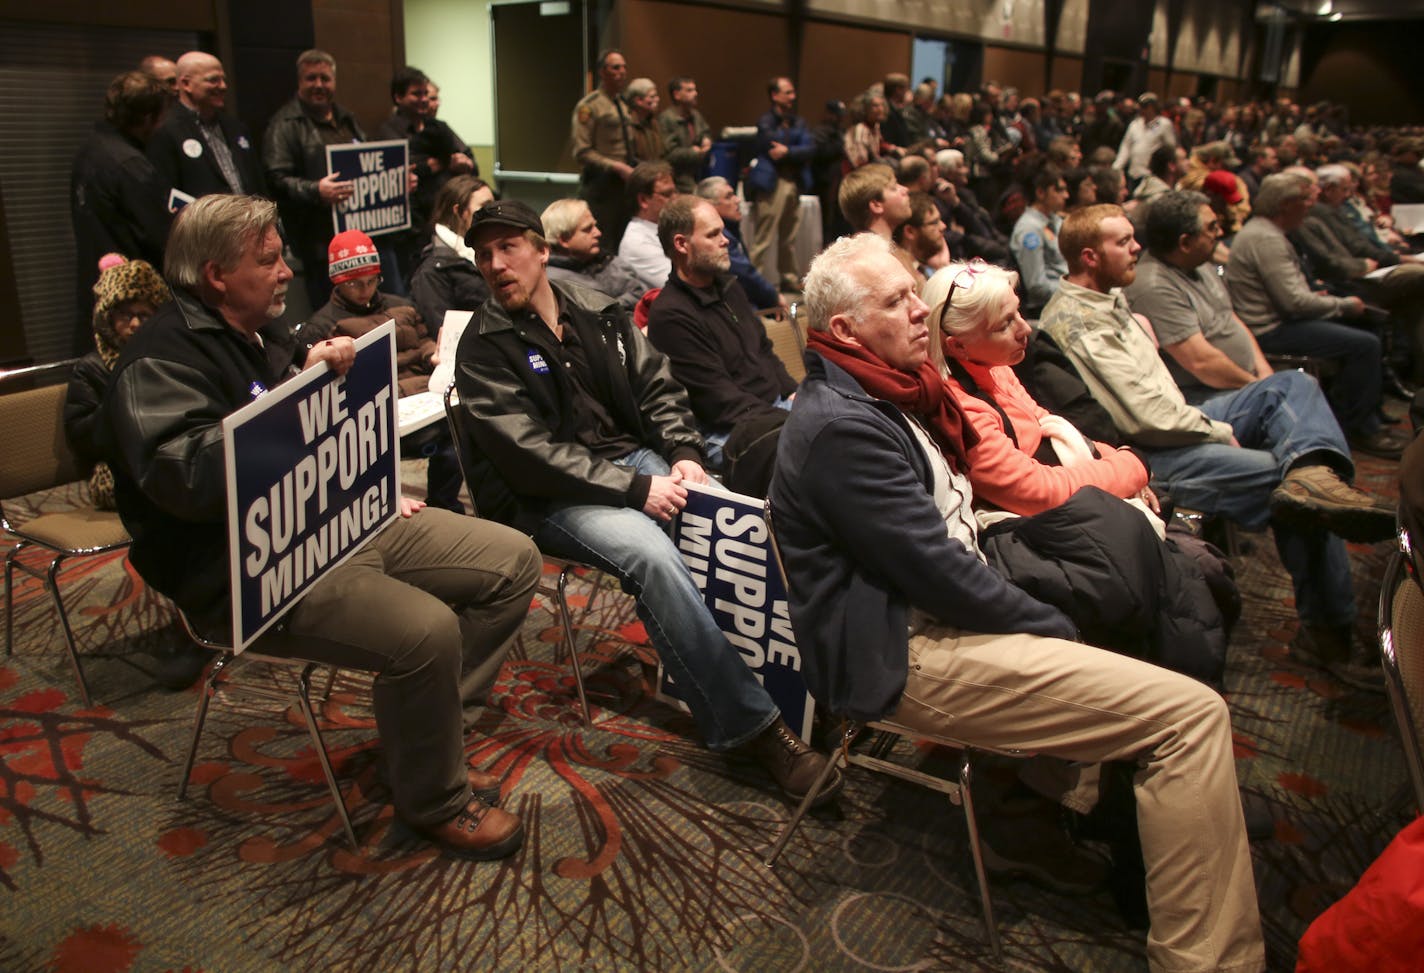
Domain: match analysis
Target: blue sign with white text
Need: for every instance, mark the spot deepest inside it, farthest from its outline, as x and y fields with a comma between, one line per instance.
x=313, y=472
x=379, y=201
x=723, y=539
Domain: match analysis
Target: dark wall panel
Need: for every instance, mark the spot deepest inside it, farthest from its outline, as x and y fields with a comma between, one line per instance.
x=1015, y=67
x=1371, y=68
x=731, y=53
x=841, y=61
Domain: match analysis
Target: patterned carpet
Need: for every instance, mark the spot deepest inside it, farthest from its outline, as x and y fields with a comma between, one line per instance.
x=643, y=848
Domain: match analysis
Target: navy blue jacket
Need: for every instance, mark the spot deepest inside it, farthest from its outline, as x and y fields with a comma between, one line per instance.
x=862, y=542
x=758, y=288
x=792, y=133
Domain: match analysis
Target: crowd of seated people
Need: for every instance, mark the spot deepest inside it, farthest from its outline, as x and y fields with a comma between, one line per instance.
x=929, y=393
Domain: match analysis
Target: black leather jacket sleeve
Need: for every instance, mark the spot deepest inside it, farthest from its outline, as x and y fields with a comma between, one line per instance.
x=166, y=422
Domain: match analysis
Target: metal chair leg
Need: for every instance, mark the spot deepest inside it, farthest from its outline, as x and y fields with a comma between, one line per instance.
x=972, y=823
x=10, y=596
x=52, y=583
x=210, y=688
x=330, y=682
x=304, y=702
x=837, y=757
x=571, y=646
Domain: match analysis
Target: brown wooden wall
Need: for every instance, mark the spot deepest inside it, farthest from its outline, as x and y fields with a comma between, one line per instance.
x=841, y=61
x=1016, y=67
x=367, y=38
x=719, y=53
x=1067, y=73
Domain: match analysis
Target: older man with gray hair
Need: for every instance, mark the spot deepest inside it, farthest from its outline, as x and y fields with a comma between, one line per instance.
x=958, y=205
x=723, y=197
x=220, y=343
x=1345, y=253
x=1270, y=292
x=898, y=616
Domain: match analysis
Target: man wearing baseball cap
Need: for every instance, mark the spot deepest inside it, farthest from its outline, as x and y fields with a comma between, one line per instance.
x=585, y=440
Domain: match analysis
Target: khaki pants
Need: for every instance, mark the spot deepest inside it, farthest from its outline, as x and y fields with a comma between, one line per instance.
x=777, y=218
x=1076, y=702
x=389, y=610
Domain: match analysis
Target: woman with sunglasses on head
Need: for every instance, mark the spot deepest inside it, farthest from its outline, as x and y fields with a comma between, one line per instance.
x=1027, y=459
x=1080, y=549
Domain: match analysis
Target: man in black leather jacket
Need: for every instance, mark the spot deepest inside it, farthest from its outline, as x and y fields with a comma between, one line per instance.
x=585, y=440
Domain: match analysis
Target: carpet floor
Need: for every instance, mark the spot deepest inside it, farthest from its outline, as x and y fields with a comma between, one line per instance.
x=643, y=849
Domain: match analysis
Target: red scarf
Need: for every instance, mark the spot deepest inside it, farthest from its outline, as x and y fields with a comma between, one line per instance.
x=920, y=393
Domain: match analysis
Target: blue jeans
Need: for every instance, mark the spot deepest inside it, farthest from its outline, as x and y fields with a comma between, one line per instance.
x=728, y=703
x=1277, y=420
x=1355, y=393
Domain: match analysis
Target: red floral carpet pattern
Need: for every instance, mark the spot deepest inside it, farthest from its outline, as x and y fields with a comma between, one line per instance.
x=643, y=849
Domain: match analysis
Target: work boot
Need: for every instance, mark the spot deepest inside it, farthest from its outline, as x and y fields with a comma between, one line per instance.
x=484, y=786
x=1331, y=648
x=1317, y=496
x=792, y=764
x=480, y=832
x=1383, y=443
x=1024, y=838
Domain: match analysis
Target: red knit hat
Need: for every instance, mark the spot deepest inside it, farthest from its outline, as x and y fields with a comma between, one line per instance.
x=351, y=255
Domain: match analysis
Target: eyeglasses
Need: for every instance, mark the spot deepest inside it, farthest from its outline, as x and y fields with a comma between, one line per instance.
x=965, y=278
x=121, y=316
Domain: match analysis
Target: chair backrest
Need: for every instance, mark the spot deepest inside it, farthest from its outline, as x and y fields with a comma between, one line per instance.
x=787, y=342
x=33, y=452
x=1401, y=635
x=459, y=422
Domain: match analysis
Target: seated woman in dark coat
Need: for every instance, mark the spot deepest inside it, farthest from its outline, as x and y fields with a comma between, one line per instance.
x=445, y=279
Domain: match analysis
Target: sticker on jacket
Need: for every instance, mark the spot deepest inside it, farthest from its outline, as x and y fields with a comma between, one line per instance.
x=536, y=362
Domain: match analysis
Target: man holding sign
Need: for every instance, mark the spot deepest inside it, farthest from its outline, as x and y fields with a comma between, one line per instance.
x=216, y=347
x=585, y=440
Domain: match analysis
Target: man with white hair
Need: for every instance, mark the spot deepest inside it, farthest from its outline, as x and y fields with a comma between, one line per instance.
x=576, y=253
x=724, y=200
x=1344, y=255
x=982, y=237
x=899, y=617
x=201, y=149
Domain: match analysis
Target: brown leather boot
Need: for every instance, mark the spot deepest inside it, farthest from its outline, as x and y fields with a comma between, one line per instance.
x=792, y=764
x=484, y=786
x=480, y=832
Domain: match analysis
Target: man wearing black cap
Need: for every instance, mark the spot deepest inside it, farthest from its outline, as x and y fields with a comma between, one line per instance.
x=585, y=441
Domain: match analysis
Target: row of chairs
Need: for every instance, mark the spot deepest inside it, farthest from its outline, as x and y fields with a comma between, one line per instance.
x=31, y=435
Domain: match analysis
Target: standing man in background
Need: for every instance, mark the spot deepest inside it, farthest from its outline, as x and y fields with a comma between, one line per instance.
x=603, y=147
x=200, y=149
x=687, y=138
x=776, y=180
x=294, y=158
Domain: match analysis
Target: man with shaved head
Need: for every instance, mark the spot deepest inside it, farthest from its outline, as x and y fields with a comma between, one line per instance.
x=201, y=149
